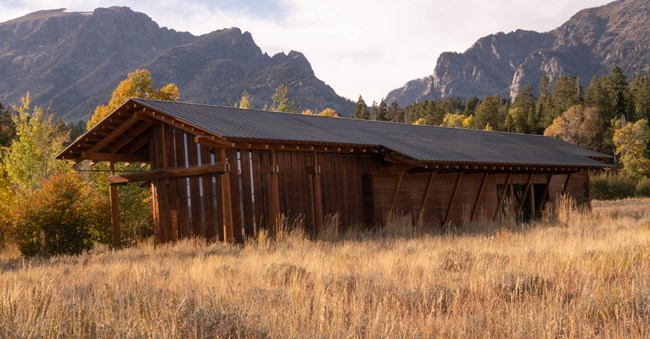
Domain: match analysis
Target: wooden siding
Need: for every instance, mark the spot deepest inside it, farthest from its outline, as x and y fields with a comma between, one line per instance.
x=307, y=186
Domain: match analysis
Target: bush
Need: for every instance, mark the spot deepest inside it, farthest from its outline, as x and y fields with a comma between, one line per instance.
x=60, y=218
x=643, y=187
x=612, y=186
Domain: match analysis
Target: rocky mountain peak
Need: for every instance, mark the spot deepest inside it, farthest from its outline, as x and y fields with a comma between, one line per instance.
x=592, y=42
x=74, y=60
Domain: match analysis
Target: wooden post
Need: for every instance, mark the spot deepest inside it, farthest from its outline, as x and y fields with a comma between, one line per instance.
x=451, y=199
x=502, y=197
x=425, y=194
x=566, y=183
x=478, y=196
x=274, y=194
x=540, y=205
x=397, y=185
x=317, y=198
x=226, y=202
x=525, y=193
x=247, y=194
x=115, y=212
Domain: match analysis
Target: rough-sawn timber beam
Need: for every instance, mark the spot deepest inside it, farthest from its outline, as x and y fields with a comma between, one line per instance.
x=168, y=173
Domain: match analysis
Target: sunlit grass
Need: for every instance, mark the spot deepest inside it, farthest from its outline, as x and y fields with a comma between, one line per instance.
x=582, y=274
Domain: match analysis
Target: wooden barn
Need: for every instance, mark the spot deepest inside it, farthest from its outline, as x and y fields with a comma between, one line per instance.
x=225, y=173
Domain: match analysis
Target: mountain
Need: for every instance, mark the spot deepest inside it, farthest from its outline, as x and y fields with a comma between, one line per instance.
x=74, y=60
x=592, y=42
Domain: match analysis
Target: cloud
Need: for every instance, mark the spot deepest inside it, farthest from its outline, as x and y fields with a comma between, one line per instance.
x=363, y=47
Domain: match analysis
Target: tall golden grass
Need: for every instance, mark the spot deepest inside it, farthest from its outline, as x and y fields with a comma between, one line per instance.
x=579, y=274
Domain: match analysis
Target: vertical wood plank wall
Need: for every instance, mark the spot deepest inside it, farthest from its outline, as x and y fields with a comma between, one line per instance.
x=193, y=206
x=411, y=189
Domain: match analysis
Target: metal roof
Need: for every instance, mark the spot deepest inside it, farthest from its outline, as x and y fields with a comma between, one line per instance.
x=419, y=142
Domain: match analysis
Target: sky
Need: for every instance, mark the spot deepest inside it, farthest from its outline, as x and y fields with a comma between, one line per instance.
x=358, y=47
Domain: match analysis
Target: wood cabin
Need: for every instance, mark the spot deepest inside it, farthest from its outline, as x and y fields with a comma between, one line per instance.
x=225, y=173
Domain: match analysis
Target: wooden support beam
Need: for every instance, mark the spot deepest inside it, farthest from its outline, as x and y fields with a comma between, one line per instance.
x=112, y=135
x=133, y=134
x=212, y=141
x=502, y=197
x=247, y=193
x=115, y=213
x=169, y=173
x=478, y=196
x=425, y=194
x=317, y=198
x=226, y=201
x=541, y=203
x=138, y=144
x=566, y=183
x=114, y=157
x=397, y=186
x=525, y=193
x=451, y=199
x=273, y=198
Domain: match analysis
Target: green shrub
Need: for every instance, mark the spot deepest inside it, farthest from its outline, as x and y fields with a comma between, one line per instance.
x=59, y=218
x=643, y=187
x=607, y=186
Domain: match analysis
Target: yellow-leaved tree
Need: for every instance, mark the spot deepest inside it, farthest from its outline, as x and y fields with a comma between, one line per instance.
x=138, y=84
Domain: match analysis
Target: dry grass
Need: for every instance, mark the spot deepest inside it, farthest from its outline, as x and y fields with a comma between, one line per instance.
x=579, y=275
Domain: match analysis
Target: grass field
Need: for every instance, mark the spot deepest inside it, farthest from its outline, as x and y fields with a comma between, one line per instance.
x=582, y=274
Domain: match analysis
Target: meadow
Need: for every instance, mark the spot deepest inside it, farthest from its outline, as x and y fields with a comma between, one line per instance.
x=580, y=273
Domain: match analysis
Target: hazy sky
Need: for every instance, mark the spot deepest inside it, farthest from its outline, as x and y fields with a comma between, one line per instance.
x=366, y=47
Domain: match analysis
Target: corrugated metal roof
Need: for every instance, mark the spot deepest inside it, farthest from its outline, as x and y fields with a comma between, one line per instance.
x=423, y=143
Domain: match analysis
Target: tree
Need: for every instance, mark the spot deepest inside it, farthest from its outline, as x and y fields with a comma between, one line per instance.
x=379, y=112
x=7, y=197
x=59, y=218
x=7, y=127
x=640, y=89
x=453, y=120
x=579, y=125
x=394, y=113
x=361, y=110
x=631, y=141
x=567, y=92
x=246, y=101
x=32, y=155
x=544, y=104
x=138, y=84
x=281, y=102
x=329, y=112
x=487, y=112
x=620, y=94
x=522, y=115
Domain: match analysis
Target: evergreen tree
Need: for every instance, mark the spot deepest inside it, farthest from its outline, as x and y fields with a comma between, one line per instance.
x=640, y=89
x=379, y=112
x=567, y=92
x=522, y=115
x=470, y=105
x=361, y=110
x=7, y=127
x=620, y=94
x=394, y=113
x=544, y=104
x=488, y=112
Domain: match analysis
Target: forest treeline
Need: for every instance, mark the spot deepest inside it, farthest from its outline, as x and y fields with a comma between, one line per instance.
x=48, y=207
x=562, y=109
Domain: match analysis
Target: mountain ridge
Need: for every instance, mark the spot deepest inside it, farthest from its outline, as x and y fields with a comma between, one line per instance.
x=74, y=60
x=591, y=42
